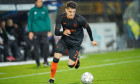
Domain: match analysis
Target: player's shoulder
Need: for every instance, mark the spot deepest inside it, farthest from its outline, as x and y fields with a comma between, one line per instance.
x=62, y=15
x=79, y=17
x=32, y=9
x=44, y=8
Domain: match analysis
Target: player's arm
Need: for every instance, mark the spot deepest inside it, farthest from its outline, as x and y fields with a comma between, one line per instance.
x=58, y=26
x=30, y=17
x=85, y=25
x=31, y=35
x=90, y=35
x=47, y=20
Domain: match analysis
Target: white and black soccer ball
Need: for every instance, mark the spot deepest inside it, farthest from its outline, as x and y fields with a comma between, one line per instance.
x=87, y=78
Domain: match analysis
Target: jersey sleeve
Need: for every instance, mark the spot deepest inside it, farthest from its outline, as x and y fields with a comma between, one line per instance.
x=86, y=26
x=30, y=17
x=58, y=26
x=83, y=22
x=89, y=33
x=47, y=20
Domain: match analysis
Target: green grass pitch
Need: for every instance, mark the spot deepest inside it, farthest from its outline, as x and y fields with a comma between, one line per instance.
x=118, y=67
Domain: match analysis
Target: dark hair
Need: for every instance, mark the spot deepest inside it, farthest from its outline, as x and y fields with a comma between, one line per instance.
x=71, y=4
x=2, y=20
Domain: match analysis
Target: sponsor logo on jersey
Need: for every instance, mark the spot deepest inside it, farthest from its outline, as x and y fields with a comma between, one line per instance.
x=75, y=25
x=64, y=23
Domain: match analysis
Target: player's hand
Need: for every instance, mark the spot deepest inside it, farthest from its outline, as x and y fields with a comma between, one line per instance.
x=67, y=32
x=94, y=43
x=49, y=34
x=31, y=35
x=1, y=43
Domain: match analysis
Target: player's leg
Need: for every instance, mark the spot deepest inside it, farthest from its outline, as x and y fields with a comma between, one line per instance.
x=54, y=64
x=36, y=50
x=75, y=64
x=71, y=63
x=45, y=48
x=73, y=57
x=57, y=55
x=56, y=58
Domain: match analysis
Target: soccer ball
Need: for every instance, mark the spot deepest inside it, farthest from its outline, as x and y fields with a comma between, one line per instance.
x=87, y=78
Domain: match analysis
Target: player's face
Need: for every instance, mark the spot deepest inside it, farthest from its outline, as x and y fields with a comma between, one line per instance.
x=70, y=13
x=2, y=24
x=9, y=22
x=39, y=3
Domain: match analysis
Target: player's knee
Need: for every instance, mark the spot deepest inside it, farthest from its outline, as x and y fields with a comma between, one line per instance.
x=71, y=66
x=55, y=60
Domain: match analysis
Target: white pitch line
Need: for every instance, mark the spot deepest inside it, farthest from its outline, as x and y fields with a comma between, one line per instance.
x=121, y=58
x=101, y=65
x=1, y=73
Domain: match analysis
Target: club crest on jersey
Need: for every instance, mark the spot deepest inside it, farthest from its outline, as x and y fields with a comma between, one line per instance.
x=64, y=23
x=43, y=12
x=35, y=12
x=75, y=25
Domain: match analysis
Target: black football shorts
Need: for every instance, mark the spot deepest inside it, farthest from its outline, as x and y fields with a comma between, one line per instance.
x=73, y=50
